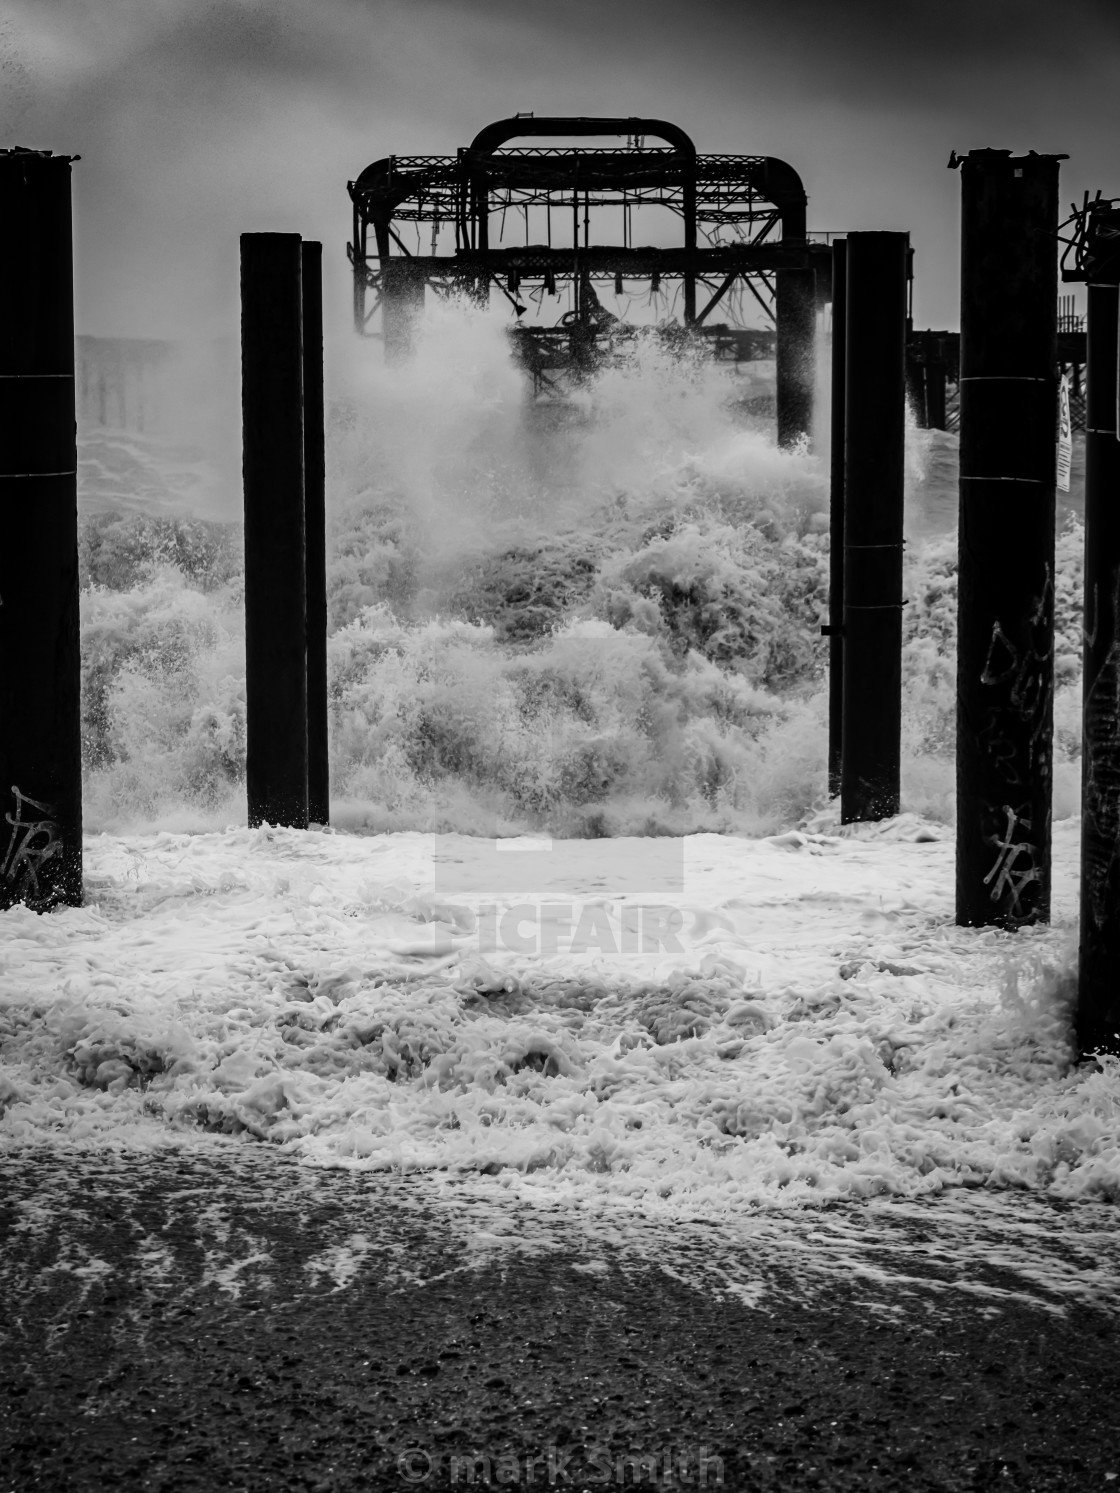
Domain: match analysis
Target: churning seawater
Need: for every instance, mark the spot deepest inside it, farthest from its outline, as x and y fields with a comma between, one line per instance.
x=595, y=616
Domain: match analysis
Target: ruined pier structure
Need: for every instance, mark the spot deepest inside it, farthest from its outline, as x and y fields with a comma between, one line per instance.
x=561, y=218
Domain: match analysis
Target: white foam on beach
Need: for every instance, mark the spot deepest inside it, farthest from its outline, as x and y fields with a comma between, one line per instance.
x=800, y=1022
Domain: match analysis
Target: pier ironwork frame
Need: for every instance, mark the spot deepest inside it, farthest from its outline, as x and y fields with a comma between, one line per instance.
x=742, y=227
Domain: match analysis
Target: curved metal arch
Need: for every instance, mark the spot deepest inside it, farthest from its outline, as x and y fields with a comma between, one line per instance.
x=495, y=135
x=782, y=186
x=462, y=188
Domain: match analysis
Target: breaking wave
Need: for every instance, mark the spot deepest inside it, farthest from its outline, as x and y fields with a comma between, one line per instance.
x=598, y=617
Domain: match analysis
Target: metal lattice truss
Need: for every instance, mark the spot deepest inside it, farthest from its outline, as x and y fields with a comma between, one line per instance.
x=554, y=221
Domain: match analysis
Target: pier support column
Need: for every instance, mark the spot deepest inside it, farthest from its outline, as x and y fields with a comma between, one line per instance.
x=315, y=537
x=935, y=382
x=874, y=462
x=1098, y=1010
x=1005, y=628
x=796, y=311
x=40, y=669
x=275, y=560
x=836, y=516
x=916, y=391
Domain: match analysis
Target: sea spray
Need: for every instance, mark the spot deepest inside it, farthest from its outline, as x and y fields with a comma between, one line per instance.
x=599, y=616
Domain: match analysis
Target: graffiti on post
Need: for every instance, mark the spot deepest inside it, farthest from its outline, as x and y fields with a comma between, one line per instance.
x=33, y=842
x=1026, y=671
x=1014, y=867
x=1017, y=667
x=1020, y=673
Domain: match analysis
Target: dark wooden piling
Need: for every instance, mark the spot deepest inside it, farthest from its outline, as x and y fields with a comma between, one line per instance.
x=836, y=517
x=40, y=668
x=275, y=560
x=796, y=314
x=874, y=464
x=935, y=391
x=315, y=548
x=1005, y=648
x=1098, y=1012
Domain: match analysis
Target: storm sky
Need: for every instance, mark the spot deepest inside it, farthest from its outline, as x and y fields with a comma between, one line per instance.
x=200, y=119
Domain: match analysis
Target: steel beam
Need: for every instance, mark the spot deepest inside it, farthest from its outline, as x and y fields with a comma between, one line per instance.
x=608, y=260
x=874, y=443
x=40, y=672
x=916, y=391
x=836, y=516
x=796, y=307
x=315, y=541
x=1005, y=627
x=1098, y=1009
x=717, y=296
x=275, y=561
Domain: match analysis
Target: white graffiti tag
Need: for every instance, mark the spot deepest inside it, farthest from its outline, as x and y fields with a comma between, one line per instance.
x=33, y=842
x=1025, y=677
x=1014, y=867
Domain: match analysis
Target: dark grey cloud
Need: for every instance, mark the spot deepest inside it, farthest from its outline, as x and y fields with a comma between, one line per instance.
x=903, y=46
x=198, y=119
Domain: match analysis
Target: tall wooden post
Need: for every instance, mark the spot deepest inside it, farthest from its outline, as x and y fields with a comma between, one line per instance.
x=1005, y=628
x=315, y=541
x=836, y=516
x=874, y=465
x=916, y=390
x=1098, y=1010
x=40, y=670
x=796, y=313
x=275, y=562
x=935, y=391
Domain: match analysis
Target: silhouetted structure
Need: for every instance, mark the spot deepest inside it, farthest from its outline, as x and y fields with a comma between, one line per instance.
x=1005, y=636
x=796, y=312
x=40, y=672
x=933, y=372
x=835, y=628
x=932, y=363
x=876, y=275
x=315, y=535
x=277, y=555
x=741, y=223
x=1097, y=262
